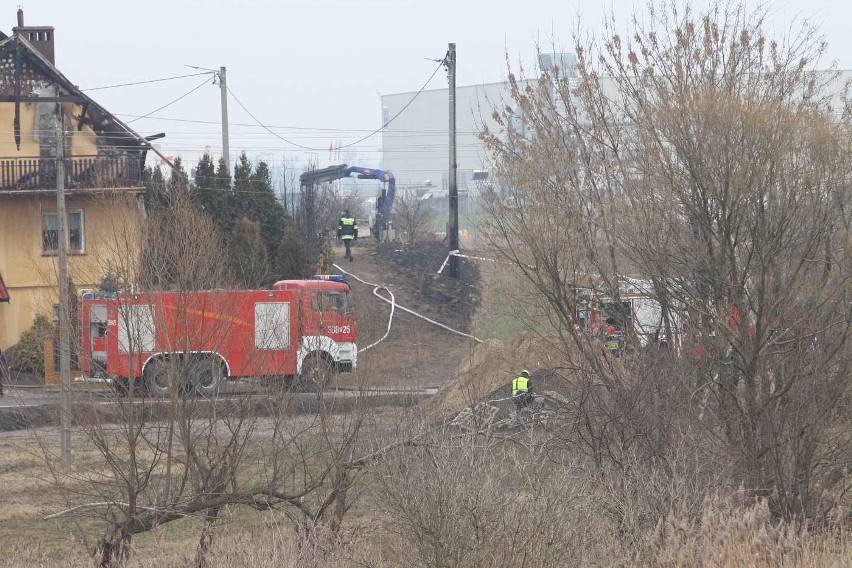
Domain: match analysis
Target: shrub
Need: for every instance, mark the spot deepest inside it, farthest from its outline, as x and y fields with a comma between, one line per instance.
x=28, y=355
x=293, y=259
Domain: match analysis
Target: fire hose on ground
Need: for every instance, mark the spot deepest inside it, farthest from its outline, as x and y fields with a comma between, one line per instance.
x=394, y=305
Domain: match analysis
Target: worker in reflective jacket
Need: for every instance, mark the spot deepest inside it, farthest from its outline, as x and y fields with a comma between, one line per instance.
x=521, y=393
x=347, y=230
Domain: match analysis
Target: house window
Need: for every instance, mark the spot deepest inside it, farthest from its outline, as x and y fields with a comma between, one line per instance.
x=50, y=233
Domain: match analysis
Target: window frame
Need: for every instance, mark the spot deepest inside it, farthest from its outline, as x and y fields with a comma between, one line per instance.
x=68, y=215
x=331, y=301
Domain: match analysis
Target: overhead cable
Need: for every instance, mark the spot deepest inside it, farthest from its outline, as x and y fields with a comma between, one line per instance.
x=373, y=133
x=430, y=132
x=183, y=96
x=145, y=82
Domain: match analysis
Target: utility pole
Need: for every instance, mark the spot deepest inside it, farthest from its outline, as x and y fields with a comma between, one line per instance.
x=450, y=62
x=226, y=147
x=64, y=300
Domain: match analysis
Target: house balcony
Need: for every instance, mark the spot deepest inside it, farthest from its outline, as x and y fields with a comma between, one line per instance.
x=81, y=173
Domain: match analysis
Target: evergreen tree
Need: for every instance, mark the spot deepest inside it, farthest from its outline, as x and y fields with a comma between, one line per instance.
x=268, y=211
x=155, y=187
x=242, y=177
x=222, y=181
x=178, y=180
x=292, y=259
x=248, y=256
x=209, y=196
x=255, y=199
x=263, y=243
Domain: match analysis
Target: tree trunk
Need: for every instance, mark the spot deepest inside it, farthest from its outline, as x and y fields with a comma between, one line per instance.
x=114, y=548
x=205, y=542
x=340, y=504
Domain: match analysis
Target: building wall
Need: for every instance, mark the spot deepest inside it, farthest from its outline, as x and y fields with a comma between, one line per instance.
x=416, y=144
x=112, y=225
x=82, y=142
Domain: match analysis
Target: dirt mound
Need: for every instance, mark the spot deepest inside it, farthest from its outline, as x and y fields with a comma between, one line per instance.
x=488, y=372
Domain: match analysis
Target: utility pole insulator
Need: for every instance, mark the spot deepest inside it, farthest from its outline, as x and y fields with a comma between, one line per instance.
x=453, y=227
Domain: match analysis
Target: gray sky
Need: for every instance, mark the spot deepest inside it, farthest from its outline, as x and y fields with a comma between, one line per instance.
x=315, y=67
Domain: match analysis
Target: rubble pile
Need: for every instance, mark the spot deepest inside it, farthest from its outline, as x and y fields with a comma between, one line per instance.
x=480, y=390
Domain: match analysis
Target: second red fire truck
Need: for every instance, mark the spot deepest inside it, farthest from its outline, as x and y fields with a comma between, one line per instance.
x=299, y=328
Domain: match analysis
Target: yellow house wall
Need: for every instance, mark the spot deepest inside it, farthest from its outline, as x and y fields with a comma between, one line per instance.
x=83, y=142
x=111, y=238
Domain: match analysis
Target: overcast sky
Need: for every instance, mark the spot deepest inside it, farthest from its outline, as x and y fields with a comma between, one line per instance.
x=314, y=69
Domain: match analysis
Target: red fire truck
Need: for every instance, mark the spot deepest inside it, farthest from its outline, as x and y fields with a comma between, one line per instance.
x=302, y=328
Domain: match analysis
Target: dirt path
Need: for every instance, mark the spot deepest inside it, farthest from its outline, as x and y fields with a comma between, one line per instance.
x=416, y=353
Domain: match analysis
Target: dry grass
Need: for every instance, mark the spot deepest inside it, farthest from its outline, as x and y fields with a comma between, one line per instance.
x=745, y=536
x=481, y=483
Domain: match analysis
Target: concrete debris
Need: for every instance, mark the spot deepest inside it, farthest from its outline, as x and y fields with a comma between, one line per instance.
x=476, y=418
x=487, y=373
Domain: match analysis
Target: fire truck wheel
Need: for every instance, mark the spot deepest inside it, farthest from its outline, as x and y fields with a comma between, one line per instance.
x=316, y=373
x=157, y=380
x=205, y=376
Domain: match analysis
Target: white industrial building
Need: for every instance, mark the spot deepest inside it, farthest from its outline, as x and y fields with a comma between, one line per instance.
x=416, y=142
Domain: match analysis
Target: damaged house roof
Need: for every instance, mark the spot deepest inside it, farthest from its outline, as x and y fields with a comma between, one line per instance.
x=22, y=70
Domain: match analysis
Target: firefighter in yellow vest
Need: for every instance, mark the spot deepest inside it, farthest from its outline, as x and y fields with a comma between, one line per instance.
x=521, y=394
x=347, y=231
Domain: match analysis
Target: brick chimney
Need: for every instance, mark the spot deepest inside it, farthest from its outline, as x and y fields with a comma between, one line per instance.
x=40, y=36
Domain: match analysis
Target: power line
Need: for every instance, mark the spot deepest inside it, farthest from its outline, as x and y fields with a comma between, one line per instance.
x=430, y=132
x=440, y=64
x=144, y=82
x=183, y=96
x=429, y=80
x=373, y=133
x=401, y=142
x=239, y=102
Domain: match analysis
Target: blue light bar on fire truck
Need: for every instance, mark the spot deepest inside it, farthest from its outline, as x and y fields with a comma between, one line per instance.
x=331, y=278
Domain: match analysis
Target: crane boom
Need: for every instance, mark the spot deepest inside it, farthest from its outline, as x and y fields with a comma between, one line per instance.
x=385, y=201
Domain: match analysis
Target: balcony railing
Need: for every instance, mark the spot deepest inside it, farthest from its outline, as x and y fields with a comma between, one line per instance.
x=93, y=172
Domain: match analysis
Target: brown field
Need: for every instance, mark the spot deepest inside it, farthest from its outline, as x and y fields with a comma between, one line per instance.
x=436, y=495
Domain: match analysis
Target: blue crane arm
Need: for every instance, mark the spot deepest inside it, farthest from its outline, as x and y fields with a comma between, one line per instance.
x=341, y=171
x=332, y=173
x=381, y=175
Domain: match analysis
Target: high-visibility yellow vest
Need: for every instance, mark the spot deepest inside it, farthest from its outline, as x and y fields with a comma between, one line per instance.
x=520, y=384
x=348, y=228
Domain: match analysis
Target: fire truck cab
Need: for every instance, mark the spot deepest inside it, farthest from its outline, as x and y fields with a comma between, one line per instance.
x=299, y=328
x=636, y=312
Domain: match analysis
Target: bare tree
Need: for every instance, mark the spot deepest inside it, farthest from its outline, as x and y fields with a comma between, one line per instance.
x=414, y=216
x=167, y=449
x=289, y=178
x=452, y=498
x=702, y=155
